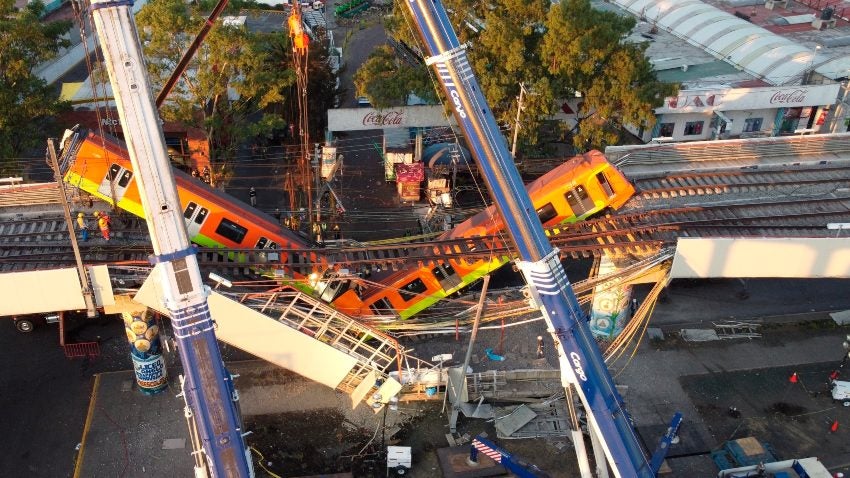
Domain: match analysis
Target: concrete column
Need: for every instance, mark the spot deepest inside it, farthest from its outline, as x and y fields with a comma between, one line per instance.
x=611, y=308
x=146, y=351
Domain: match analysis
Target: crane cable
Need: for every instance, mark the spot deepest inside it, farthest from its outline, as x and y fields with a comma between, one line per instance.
x=300, y=58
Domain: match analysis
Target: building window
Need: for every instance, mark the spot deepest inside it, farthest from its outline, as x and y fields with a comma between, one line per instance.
x=666, y=129
x=752, y=125
x=693, y=128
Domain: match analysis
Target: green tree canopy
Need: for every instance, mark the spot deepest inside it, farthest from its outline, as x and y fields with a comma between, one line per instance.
x=386, y=80
x=557, y=50
x=27, y=103
x=238, y=83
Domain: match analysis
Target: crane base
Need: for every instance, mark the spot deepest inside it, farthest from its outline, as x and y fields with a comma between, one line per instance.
x=454, y=463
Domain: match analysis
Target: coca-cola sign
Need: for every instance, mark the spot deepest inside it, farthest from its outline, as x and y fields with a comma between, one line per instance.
x=788, y=96
x=383, y=118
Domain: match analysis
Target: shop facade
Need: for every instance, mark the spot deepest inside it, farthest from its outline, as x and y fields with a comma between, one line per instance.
x=724, y=113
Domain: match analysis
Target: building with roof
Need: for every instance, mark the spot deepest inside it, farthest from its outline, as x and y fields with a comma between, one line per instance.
x=746, y=68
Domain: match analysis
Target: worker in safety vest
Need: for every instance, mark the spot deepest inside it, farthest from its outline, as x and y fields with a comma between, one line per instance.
x=83, y=225
x=103, y=221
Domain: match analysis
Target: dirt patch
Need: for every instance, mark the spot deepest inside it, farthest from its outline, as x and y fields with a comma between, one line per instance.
x=787, y=409
x=315, y=442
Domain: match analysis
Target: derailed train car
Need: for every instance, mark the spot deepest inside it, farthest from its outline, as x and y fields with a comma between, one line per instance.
x=577, y=189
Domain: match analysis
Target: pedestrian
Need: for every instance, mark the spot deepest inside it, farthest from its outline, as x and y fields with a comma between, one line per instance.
x=83, y=225
x=540, y=347
x=277, y=214
x=337, y=234
x=103, y=221
x=252, y=194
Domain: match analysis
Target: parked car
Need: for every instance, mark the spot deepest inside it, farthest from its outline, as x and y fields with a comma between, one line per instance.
x=27, y=323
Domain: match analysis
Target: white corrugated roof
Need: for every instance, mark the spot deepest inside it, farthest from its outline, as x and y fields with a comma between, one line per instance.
x=760, y=52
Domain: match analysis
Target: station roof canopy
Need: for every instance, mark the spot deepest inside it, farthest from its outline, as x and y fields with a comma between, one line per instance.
x=766, y=55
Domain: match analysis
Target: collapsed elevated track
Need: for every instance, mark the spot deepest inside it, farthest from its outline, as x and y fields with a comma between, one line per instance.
x=788, y=202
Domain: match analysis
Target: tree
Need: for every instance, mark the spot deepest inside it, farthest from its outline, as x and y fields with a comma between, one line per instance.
x=585, y=51
x=27, y=103
x=386, y=80
x=232, y=84
x=558, y=51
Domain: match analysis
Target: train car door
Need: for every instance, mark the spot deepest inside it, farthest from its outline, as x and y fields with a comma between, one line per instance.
x=446, y=276
x=115, y=182
x=580, y=202
x=194, y=217
x=265, y=244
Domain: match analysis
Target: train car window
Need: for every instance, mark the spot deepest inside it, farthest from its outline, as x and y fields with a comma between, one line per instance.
x=230, y=230
x=190, y=210
x=125, y=179
x=262, y=243
x=443, y=271
x=547, y=213
x=202, y=215
x=272, y=245
x=606, y=186
x=381, y=307
x=113, y=172
x=412, y=288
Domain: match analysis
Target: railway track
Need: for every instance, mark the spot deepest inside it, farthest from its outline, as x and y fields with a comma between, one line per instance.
x=741, y=203
x=718, y=182
x=42, y=242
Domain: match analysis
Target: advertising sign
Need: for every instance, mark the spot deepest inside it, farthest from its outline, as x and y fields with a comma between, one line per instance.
x=726, y=99
x=354, y=119
x=148, y=363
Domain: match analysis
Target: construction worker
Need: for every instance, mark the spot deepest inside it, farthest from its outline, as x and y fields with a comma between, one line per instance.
x=103, y=221
x=83, y=225
x=337, y=234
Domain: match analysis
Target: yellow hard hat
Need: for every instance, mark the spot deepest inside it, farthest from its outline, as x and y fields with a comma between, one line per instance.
x=80, y=215
x=96, y=213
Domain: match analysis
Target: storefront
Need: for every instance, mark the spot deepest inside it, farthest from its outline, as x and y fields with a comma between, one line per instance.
x=696, y=115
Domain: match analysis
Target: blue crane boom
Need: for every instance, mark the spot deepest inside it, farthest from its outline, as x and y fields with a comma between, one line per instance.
x=208, y=388
x=581, y=362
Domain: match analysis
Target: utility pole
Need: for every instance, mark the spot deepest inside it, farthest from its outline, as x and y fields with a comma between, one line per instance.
x=516, y=124
x=317, y=165
x=88, y=297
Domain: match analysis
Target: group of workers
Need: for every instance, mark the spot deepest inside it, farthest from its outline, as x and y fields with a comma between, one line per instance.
x=103, y=223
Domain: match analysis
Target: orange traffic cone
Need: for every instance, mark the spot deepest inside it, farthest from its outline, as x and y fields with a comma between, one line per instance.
x=793, y=378
x=834, y=427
